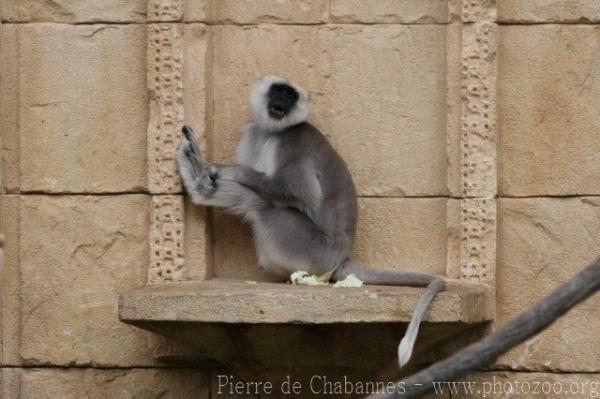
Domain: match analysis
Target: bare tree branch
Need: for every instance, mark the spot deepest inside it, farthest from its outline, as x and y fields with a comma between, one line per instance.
x=484, y=352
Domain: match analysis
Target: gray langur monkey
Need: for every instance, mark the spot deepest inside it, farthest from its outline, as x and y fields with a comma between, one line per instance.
x=297, y=194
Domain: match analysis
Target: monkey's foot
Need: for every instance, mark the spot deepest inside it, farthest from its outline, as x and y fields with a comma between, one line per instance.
x=189, y=152
x=199, y=179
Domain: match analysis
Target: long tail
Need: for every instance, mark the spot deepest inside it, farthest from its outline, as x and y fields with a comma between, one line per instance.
x=407, y=343
x=433, y=283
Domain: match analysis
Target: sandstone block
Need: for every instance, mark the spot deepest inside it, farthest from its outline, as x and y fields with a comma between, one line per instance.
x=9, y=382
x=383, y=108
x=196, y=60
x=78, y=253
x=73, y=11
x=402, y=234
x=257, y=11
x=454, y=102
x=109, y=383
x=233, y=251
x=543, y=242
x=571, y=11
x=196, y=10
x=395, y=233
x=549, y=128
x=389, y=11
x=83, y=108
x=197, y=243
x=9, y=282
x=9, y=114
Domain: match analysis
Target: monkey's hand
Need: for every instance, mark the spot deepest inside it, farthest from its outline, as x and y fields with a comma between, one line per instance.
x=200, y=180
x=208, y=179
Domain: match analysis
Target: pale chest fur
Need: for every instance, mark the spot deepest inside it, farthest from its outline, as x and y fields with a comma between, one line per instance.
x=258, y=152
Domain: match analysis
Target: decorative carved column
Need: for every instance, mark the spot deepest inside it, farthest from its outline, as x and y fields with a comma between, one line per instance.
x=473, y=181
x=166, y=50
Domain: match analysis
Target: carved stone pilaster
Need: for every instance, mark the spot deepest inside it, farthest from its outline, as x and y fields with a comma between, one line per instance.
x=472, y=155
x=478, y=10
x=478, y=239
x=166, y=239
x=165, y=82
x=478, y=167
x=165, y=10
x=478, y=110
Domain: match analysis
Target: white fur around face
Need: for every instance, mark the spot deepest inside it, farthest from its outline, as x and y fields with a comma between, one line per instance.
x=258, y=105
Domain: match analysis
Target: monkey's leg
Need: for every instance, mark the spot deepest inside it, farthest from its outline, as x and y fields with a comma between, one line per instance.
x=288, y=241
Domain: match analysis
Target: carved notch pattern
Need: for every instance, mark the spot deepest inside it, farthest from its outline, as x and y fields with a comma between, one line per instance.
x=478, y=141
x=165, y=10
x=478, y=239
x=166, y=239
x=165, y=82
x=478, y=10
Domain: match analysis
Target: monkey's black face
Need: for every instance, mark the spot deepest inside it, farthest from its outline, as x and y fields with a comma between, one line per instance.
x=282, y=99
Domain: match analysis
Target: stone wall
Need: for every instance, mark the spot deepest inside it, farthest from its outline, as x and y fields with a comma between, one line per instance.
x=92, y=95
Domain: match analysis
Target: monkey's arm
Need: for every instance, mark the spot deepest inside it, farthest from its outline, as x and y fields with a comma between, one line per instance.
x=269, y=187
x=286, y=186
x=201, y=180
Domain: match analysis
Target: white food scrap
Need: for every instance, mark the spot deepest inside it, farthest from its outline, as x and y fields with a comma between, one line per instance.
x=350, y=281
x=303, y=278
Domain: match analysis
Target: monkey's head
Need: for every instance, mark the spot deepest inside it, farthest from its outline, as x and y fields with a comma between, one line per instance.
x=277, y=104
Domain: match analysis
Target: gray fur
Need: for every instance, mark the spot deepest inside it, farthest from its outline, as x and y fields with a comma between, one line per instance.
x=298, y=195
